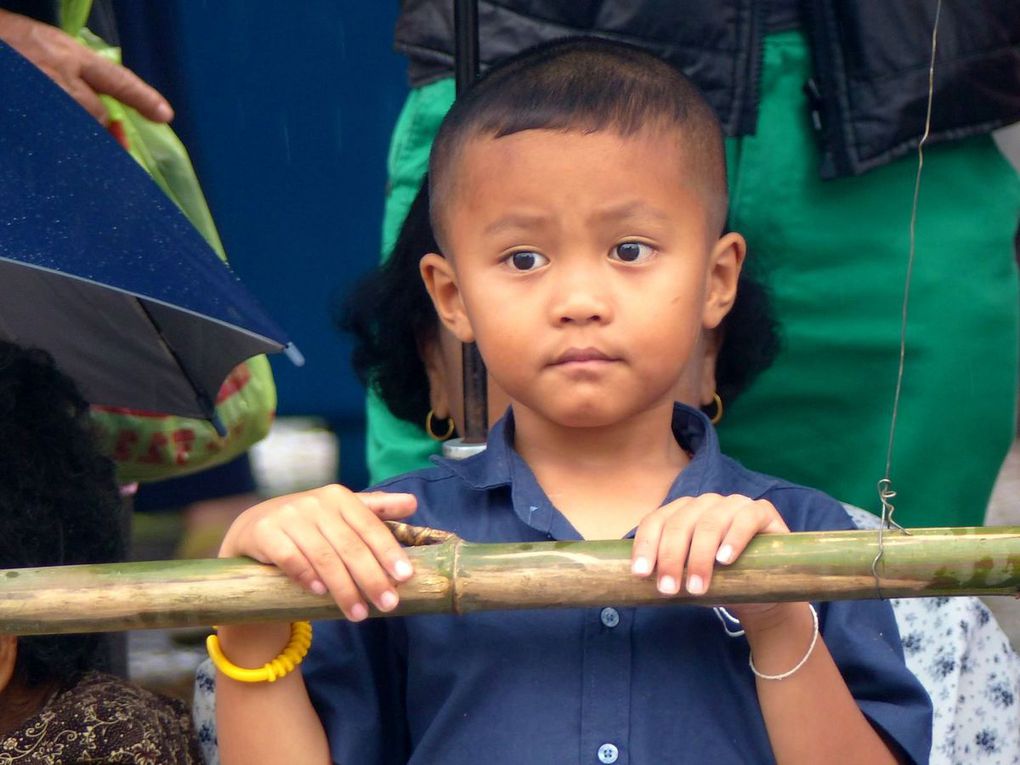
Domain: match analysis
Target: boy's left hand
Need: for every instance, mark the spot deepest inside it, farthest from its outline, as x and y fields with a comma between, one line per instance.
x=697, y=532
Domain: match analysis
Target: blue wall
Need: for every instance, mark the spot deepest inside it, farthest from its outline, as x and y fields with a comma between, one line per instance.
x=286, y=109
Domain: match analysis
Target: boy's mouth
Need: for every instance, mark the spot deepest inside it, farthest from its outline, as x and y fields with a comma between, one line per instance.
x=581, y=355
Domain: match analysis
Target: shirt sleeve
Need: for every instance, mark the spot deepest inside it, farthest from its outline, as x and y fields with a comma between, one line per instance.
x=865, y=644
x=355, y=677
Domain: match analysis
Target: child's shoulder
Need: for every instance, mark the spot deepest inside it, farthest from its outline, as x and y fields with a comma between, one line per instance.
x=443, y=490
x=802, y=508
x=439, y=473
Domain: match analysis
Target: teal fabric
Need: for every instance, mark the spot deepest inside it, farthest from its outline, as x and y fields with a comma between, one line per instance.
x=395, y=446
x=834, y=255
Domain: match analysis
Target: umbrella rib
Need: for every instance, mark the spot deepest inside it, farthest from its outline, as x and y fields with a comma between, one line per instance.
x=140, y=296
x=200, y=395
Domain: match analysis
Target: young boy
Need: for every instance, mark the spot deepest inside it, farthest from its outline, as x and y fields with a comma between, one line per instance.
x=578, y=194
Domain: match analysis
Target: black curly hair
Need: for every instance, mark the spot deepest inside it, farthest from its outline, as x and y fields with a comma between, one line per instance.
x=59, y=499
x=390, y=315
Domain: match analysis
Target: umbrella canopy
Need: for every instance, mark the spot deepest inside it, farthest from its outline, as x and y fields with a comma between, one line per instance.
x=101, y=269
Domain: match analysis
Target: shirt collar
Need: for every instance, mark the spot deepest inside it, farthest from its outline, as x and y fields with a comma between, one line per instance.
x=498, y=465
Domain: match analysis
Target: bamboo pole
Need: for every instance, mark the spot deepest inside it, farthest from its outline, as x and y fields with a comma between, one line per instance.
x=459, y=577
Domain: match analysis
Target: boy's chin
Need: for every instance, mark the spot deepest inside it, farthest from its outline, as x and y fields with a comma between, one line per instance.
x=577, y=417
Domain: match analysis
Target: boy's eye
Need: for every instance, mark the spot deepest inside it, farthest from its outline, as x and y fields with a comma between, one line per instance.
x=526, y=261
x=631, y=252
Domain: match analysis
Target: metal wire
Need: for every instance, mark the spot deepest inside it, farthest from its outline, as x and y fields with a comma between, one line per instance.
x=886, y=493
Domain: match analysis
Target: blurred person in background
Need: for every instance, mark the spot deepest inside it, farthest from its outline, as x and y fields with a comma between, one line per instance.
x=60, y=505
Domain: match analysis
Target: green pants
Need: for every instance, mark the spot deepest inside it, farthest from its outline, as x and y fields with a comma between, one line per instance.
x=834, y=256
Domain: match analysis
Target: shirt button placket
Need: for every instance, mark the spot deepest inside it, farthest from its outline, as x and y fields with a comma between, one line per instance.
x=606, y=712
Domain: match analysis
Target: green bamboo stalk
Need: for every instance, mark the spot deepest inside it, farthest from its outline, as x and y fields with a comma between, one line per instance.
x=460, y=577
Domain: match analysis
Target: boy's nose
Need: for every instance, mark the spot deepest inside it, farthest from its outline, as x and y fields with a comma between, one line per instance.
x=582, y=300
x=580, y=314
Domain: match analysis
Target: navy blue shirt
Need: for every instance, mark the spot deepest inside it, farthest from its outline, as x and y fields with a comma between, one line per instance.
x=594, y=685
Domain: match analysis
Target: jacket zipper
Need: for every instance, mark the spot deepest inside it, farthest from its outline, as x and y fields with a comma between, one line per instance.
x=821, y=90
x=749, y=112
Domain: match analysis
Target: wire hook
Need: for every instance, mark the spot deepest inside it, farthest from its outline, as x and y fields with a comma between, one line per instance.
x=885, y=488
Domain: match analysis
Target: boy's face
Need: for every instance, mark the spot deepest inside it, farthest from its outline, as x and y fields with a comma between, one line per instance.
x=585, y=266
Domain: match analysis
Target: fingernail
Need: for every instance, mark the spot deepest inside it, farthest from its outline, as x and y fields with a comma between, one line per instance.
x=695, y=585
x=725, y=554
x=668, y=585
x=317, y=587
x=402, y=569
x=388, y=600
x=641, y=566
x=164, y=112
x=358, y=612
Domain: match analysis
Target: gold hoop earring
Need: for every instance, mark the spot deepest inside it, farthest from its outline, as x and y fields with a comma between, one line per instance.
x=432, y=434
x=717, y=415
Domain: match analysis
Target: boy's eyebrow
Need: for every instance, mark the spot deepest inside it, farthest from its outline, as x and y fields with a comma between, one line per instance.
x=515, y=220
x=610, y=213
x=625, y=210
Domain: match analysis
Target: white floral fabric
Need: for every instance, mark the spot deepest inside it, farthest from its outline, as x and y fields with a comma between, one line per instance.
x=970, y=670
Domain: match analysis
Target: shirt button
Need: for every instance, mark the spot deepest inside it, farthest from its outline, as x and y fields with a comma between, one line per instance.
x=608, y=753
x=610, y=617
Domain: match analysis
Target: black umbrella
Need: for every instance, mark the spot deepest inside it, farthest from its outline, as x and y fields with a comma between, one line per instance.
x=102, y=270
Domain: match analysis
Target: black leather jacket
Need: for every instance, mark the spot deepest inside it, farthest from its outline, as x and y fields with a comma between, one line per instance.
x=870, y=88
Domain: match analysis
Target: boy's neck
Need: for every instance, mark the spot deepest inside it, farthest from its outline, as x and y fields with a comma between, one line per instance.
x=605, y=479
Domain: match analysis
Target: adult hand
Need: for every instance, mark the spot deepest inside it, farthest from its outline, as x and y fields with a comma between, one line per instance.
x=82, y=73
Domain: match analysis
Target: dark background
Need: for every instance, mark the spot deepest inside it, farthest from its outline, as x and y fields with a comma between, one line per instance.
x=286, y=109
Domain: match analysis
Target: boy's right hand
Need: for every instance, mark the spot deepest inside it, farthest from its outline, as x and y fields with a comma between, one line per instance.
x=329, y=539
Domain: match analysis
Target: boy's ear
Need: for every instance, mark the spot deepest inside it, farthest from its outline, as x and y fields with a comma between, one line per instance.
x=723, y=272
x=441, y=282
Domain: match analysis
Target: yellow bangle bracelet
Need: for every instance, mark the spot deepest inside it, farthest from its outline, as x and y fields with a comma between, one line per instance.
x=292, y=655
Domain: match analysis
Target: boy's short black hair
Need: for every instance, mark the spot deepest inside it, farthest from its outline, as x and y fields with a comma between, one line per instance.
x=390, y=316
x=59, y=499
x=586, y=84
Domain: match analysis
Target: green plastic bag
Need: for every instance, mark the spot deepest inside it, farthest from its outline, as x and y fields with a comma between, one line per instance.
x=150, y=446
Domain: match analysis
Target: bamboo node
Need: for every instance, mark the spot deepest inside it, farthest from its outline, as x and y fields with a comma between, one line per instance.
x=417, y=536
